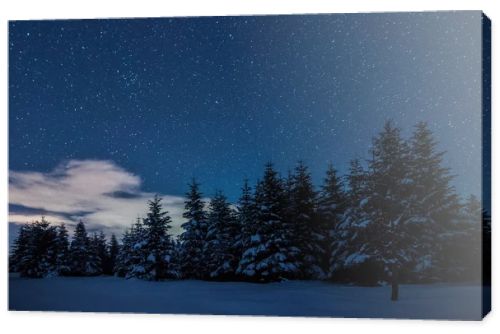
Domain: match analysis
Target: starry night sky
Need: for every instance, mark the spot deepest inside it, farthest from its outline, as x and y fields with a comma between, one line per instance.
x=218, y=97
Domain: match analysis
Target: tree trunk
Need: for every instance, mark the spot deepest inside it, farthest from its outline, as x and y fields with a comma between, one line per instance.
x=395, y=284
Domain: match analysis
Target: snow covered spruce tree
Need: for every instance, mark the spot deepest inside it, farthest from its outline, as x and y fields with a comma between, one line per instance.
x=305, y=232
x=349, y=261
x=95, y=264
x=103, y=253
x=62, y=252
x=37, y=255
x=175, y=256
x=460, y=245
x=132, y=253
x=114, y=250
x=43, y=250
x=408, y=204
x=434, y=203
x=158, y=246
x=245, y=216
x=391, y=234
x=98, y=254
x=79, y=250
x=270, y=255
x=83, y=255
x=123, y=258
x=194, y=235
x=20, y=249
x=473, y=218
x=330, y=211
x=222, y=257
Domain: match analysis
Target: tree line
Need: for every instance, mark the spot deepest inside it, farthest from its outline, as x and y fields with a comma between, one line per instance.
x=42, y=250
x=396, y=218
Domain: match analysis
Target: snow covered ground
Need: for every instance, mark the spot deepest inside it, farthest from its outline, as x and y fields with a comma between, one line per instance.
x=294, y=298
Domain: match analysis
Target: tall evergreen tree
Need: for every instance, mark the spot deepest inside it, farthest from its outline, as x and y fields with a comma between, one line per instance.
x=390, y=234
x=62, y=252
x=121, y=267
x=20, y=248
x=194, y=235
x=434, y=203
x=39, y=258
x=96, y=255
x=220, y=242
x=176, y=257
x=245, y=215
x=349, y=261
x=114, y=250
x=80, y=251
x=305, y=232
x=134, y=251
x=460, y=246
x=158, y=244
x=486, y=247
x=471, y=247
x=270, y=256
x=331, y=208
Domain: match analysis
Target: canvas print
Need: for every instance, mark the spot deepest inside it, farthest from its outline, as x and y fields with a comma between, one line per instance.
x=333, y=165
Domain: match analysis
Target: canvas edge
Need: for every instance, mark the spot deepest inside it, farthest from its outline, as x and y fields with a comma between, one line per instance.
x=486, y=161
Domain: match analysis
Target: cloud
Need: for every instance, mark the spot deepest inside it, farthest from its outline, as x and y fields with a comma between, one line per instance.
x=98, y=192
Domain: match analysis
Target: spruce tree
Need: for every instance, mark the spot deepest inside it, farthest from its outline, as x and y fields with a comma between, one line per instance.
x=270, y=255
x=158, y=244
x=389, y=234
x=471, y=247
x=20, y=248
x=245, y=216
x=114, y=250
x=39, y=258
x=305, y=233
x=80, y=251
x=434, y=203
x=350, y=260
x=331, y=208
x=220, y=241
x=175, y=258
x=121, y=267
x=63, y=254
x=95, y=260
x=136, y=251
x=194, y=235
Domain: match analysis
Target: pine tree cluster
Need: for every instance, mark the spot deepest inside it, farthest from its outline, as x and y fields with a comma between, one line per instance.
x=394, y=218
x=42, y=250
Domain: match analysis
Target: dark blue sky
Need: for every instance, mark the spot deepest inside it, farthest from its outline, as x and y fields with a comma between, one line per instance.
x=217, y=97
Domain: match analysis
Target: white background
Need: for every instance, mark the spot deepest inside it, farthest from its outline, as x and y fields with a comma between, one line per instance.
x=26, y=322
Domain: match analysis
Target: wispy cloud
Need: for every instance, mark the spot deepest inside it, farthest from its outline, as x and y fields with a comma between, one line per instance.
x=98, y=192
